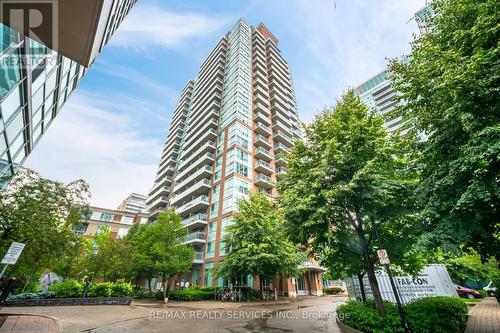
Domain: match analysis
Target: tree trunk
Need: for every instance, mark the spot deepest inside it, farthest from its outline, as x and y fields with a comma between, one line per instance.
x=372, y=279
x=164, y=283
x=29, y=278
x=149, y=283
x=261, y=285
x=362, y=287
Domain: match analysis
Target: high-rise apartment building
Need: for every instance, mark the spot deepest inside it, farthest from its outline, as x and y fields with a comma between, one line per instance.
x=229, y=128
x=378, y=93
x=35, y=82
x=134, y=203
x=422, y=17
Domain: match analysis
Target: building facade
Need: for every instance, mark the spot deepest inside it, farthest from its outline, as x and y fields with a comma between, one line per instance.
x=377, y=92
x=230, y=128
x=119, y=222
x=134, y=203
x=35, y=83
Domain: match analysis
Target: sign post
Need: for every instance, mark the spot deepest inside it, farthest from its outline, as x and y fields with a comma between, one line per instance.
x=12, y=255
x=383, y=257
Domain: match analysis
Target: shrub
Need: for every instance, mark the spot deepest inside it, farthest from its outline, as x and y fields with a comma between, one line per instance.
x=141, y=294
x=67, y=289
x=440, y=314
x=104, y=289
x=192, y=294
x=364, y=317
x=496, y=284
x=31, y=295
x=333, y=291
x=427, y=315
x=483, y=293
x=121, y=289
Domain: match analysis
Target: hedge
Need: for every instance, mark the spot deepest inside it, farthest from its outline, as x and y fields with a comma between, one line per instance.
x=427, y=315
x=74, y=289
x=333, y=291
x=192, y=294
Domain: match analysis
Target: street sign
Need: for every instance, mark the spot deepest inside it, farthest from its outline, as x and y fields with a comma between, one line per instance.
x=13, y=254
x=383, y=257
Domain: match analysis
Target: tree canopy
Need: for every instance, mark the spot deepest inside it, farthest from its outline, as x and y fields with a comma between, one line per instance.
x=345, y=178
x=40, y=213
x=257, y=243
x=449, y=91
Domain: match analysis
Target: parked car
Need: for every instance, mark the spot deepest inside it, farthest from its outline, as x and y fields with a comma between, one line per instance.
x=467, y=292
x=490, y=289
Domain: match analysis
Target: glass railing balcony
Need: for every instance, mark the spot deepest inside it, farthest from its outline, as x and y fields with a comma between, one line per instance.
x=263, y=164
x=261, y=152
x=195, y=236
x=195, y=218
x=201, y=200
x=280, y=148
x=204, y=182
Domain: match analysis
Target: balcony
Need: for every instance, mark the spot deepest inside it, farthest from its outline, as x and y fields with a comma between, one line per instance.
x=203, y=172
x=280, y=161
x=262, y=129
x=281, y=137
x=194, y=205
x=195, y=238
x=263, y=167
x=184, y=164
x=280, y=126
x=194, y=190
x=280, y=148
x=206, y=158
x=161, y=201
x=264, y=181
x=262, y=117
x=281, y=172
x=263, y=154
x=262, y=141
x=261, y=107
x=198, y=258
x=195, y=221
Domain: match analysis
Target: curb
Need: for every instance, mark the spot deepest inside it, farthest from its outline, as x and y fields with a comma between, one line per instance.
x=55, y=319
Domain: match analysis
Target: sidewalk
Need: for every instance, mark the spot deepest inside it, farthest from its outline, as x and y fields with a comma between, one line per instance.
x=25, y=323
x=484, y=317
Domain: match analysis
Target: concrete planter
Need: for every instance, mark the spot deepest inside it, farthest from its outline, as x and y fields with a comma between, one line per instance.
x=346, y=329
x=69, y=301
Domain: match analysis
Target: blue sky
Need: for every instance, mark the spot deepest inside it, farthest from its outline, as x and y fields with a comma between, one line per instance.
x=112, y=130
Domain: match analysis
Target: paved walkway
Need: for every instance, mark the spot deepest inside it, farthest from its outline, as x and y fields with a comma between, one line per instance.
x=484, y=317
x=18, y=324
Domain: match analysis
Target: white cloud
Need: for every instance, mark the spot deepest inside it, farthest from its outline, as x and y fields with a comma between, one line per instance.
x=345, y=46
x=104, y=148
x=148, y=26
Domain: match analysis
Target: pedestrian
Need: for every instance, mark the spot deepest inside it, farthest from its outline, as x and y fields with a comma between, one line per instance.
x=186, y=285
x=182, y=284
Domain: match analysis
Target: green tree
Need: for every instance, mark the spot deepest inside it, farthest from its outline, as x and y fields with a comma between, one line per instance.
x=345, y=178
x=450, y=93
x=163, y=245
x=106, y=257
x=258, y=245
x=40, y=213
x=141, y=264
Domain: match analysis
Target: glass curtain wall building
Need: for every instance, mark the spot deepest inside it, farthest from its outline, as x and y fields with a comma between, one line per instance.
x=378, y=93
x=35, y=82
x=229, y=129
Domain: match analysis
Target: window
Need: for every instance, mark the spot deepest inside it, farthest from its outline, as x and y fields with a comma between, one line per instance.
x=214, y=209
x=106, y=217
x=100, y=228
x=241, y=169
x=11, y=103
x=80, y=229
x=209, y=267
x=122, y=232
x=210, y=250
x=127, y=220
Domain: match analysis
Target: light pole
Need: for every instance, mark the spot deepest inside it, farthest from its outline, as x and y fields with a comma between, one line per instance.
x=401, y=311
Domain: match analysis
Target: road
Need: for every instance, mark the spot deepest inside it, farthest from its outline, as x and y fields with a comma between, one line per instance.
x=304, y=315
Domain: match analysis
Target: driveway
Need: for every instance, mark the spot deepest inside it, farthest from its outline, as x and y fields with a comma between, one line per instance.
x=316, y=314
